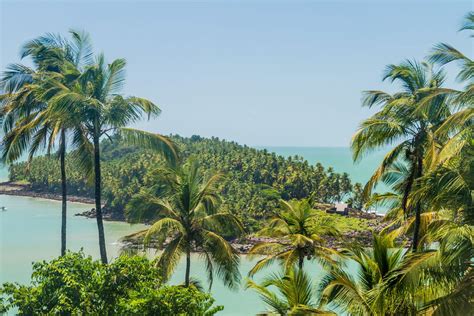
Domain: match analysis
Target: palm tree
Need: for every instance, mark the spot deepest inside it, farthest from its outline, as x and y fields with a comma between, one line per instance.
x=384, y=280
x=298, y=236
x=448, y=183
x=459, y=125
x=28, y=122
x=185, y=206
x=296, y=294
x=449, y=186
x=94, y=100
x=407, y=120
x=452, y=270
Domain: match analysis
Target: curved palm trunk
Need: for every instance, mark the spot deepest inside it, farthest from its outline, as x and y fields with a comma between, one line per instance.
x=188, y=267
x=62, y=153
x=416, y=230
x=98, y=203
x=407, y=191
x=300, y=260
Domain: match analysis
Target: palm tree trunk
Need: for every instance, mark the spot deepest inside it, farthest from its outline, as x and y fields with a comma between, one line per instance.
x=98, y=203
x=300, y=260
x=62, y=153
x=408, y=187
x=416, y=230
x=188, y=267
x=406, y=193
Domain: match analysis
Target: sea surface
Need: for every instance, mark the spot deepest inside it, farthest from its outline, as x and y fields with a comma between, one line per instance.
x=339, y=158
x=30, y=231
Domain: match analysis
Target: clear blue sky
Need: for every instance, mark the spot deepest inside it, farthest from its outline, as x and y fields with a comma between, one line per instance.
x=258, y=72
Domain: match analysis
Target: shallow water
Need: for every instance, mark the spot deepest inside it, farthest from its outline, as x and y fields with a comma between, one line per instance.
x=30, y=231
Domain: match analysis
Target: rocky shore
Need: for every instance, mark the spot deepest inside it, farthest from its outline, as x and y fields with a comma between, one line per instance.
x=242, y=245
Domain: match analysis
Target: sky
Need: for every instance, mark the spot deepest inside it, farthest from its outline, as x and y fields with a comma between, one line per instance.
x=262, y=73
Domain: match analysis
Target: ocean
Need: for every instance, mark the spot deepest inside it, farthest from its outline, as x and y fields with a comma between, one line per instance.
x=339, y=158
x=30, y=228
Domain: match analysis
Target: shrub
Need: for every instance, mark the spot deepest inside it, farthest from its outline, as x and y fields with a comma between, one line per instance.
x=77, y=285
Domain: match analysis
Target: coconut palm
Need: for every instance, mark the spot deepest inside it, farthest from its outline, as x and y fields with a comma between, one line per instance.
x=452, y=270
x=296, y=234
x=450, y=186
x=296, y=295
x=95, y=101
x=28, y=122
x=459, y=125
x=448, y=183
x=407, y=120
x=185, y=205
x=385, y=280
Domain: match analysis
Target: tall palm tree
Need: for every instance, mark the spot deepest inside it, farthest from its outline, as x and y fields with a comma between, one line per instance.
x=28, y=122
x=94, y=99
x=459, y=125
x=384, y=280
x=296, y=297
x=298, y=236
x=448, y=184
x=407, y=120
x=184, y=204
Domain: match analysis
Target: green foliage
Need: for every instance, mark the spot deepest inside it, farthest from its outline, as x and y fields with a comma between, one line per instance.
x=377, y=288
x=357, y=200
x=254, y=179
x=298, y=235
x=76, y=285
x=343, y=224
x=295, y=293
x=185, y=206
x=169, y=300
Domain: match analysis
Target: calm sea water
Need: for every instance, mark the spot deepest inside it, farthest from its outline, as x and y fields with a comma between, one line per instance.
x=30, y=228
x=339, y=158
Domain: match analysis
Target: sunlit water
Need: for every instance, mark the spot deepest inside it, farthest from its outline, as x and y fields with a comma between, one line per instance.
x=30, y=231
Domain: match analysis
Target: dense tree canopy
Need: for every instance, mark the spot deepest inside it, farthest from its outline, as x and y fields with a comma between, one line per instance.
x=254, y=179
x=77, y=285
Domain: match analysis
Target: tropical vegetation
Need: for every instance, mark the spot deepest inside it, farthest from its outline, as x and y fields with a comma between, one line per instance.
x=76, y=285
x=255, y=180
x=298, y=235
x=296, y=293
x=429, y=170
x=185, y=207
x=198, y=193
x=28, y=122
x=71, y=94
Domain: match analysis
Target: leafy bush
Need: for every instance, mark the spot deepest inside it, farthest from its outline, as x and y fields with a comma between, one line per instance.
x=77, y=285
x=169, y=300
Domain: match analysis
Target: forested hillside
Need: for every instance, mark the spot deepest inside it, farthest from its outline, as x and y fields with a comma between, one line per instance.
x=254, y=179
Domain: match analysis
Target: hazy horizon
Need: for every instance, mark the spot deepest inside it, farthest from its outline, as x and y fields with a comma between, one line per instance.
x=258, y=73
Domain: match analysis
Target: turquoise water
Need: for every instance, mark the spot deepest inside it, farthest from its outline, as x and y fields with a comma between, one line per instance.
x=30, y=228
x=30, y=231
x=339, y=158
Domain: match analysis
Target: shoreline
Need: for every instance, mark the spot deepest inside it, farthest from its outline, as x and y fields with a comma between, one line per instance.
x=24, y=190
x=241, y=245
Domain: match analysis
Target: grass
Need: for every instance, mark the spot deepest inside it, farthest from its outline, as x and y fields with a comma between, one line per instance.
x=345, y=223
